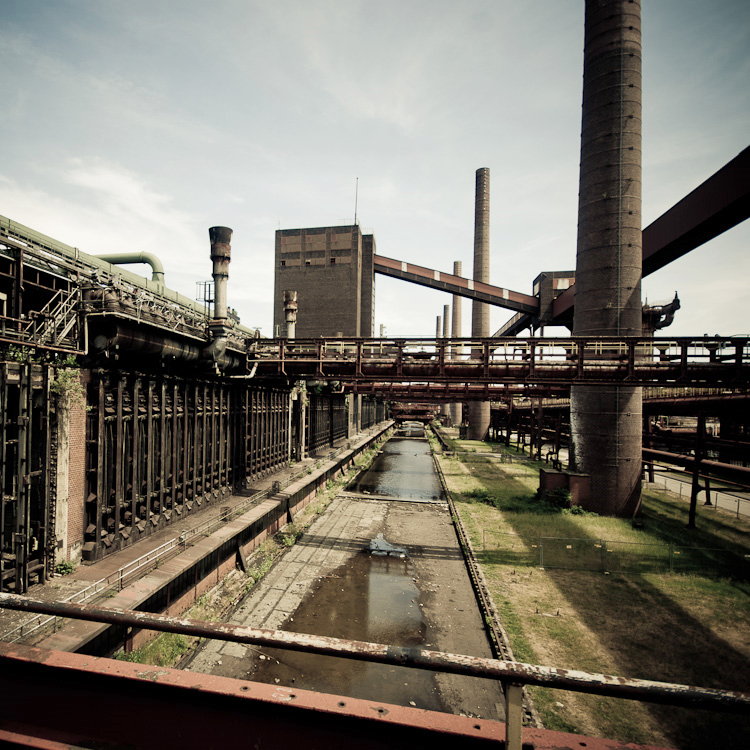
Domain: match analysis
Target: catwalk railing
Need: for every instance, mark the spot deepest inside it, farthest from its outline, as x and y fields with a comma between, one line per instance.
x=685, y=361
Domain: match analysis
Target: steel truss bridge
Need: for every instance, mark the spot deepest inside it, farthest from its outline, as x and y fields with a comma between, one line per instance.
x=684, y=361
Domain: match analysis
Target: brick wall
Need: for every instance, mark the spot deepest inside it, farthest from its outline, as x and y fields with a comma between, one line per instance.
x=326, y=267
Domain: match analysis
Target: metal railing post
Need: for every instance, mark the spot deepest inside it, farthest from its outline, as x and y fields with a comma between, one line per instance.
x=513, y=715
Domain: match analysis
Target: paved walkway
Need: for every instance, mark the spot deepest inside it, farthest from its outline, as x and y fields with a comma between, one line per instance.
x=324, y=585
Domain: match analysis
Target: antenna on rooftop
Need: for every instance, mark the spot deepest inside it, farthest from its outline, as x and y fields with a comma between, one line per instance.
x=356, y=196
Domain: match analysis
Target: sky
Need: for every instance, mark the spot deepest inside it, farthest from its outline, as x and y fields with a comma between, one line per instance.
x=137, y=125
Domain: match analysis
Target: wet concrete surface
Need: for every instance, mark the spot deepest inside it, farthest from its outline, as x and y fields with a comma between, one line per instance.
x=329, y=584
x=369, y=598
x=404, y=468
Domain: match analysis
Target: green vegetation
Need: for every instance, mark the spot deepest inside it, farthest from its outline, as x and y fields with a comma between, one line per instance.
x=636, y=620
x=163, y=651
x=65, y=568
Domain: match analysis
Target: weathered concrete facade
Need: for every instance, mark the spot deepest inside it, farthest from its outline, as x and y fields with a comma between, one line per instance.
x=331, y=268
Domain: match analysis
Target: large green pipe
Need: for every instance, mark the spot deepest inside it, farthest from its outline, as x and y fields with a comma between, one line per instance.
x=157, y=269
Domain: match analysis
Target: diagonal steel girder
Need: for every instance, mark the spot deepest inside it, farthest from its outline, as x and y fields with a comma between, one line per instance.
x=458, y=285
x=716, y=205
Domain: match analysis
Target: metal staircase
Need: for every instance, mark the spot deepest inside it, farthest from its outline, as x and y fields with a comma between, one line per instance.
x=57, y=323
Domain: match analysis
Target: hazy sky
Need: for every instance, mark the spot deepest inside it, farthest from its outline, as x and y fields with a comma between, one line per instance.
x=137, y=125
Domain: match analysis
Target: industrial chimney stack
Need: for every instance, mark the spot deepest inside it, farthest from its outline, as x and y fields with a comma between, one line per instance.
x=221, y=254
x=606, y=420
x=479, y=411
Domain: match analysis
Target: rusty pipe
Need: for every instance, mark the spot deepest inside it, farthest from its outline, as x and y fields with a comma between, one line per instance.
x=718, y=468
x=437, y=661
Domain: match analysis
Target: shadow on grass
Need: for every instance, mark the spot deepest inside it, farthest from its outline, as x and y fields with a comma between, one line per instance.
x=646, y=632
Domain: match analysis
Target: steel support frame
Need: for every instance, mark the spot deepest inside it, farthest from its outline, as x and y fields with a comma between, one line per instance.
x=160, y=446
x=27, y=458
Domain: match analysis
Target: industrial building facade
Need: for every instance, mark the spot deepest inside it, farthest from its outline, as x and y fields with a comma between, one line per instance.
x=331, y=269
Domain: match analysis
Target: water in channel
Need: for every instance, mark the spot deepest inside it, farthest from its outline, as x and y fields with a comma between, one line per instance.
x=370, y=598
x=403, y=469
x=330, y=583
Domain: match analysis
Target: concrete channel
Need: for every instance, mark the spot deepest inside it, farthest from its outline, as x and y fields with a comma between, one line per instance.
x=381, y=564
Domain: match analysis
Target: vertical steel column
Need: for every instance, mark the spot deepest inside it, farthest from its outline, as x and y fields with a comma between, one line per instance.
x=479, y=411
x=3, y=472
x=186, y=438
x=174, y=452
x=222, y=437
x=606, y=420
x=250, y=433
x=162, y=463
x=445, y=408
x=101, y=462
x=47, y=479
x=137, y=457
x=21, y=527
x=150, y=452
x=197, y=496
x=204, y=441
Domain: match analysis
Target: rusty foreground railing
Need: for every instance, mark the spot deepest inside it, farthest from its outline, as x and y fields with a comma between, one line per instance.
x=512, y=675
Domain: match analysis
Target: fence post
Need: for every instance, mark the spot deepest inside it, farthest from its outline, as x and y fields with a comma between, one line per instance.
x=541, y=553
x=670, y=559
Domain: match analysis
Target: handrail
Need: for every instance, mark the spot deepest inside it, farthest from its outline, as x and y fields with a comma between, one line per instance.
x=512, y=674
x=635, y=360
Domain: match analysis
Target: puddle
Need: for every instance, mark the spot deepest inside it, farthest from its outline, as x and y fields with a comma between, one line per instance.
x=403, y=469
x=370, y=598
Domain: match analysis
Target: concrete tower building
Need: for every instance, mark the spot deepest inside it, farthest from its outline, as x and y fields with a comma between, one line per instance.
x=331, y=269
x=606, y=420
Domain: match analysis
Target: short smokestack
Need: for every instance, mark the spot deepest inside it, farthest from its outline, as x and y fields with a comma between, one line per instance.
x=438, y=326
x=221, y=254
x=290, y=312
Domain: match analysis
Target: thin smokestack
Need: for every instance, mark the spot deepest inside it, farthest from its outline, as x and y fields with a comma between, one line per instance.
x=480, y=311
x=479, y=412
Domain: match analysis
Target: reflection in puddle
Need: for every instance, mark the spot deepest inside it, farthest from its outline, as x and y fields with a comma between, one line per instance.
x=370, y=598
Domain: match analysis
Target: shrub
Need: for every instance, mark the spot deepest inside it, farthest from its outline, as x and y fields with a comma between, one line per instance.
x=65, y=568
